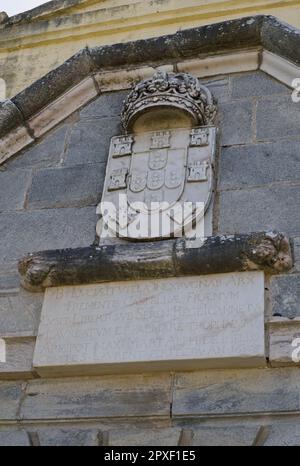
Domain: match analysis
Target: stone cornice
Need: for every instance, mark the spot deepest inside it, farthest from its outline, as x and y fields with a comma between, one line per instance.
x=40, y=12
x=60, y=21
x=19, y=115
x=267, y=251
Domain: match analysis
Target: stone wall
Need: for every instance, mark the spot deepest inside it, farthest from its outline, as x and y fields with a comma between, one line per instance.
x=48, y=196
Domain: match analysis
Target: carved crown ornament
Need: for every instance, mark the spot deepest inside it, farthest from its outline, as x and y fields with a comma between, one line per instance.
x=174, y=90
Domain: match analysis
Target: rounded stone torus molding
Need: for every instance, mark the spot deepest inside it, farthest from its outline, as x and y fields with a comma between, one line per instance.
x=179, y=92
x=267, y=251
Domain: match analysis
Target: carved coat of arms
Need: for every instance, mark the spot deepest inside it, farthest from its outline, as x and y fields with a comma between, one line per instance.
x=151, y=175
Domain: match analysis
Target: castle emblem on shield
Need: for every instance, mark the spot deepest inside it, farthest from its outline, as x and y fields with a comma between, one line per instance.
x=157, y=171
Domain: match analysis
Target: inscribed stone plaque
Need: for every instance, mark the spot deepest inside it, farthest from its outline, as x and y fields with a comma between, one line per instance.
x=167, y=324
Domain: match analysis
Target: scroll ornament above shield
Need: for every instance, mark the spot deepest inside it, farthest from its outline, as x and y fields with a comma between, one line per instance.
x=153, y=174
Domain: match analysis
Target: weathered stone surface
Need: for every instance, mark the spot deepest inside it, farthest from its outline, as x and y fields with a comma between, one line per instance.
x=14, y=438
x=19, y=312
x=263, y=31
x=237, y=115
x=235, y=392
x=9, y=275
x=223, y=36
x=90, y=139
x=272, y=218
x=44, y=154
x=157, y=437
x=138, y=395
x=259, y=164
x=256, y=84
x=284, y=434
x=223, y=325
x=280, y=38
x=277, y=117
x=219, y=88
x=111, y=81
x=22, y=232
x=220, y=65
x=169, y=90
x=279, y=68
x=76, y=186
x=13, y=142
x=228, y=35
x=3, y=17
x=10, y=117
x=297, y=253
x=40, y=10
x=107, y=105
x=285, y=295
x=54, y=84
x=10, y=197
x=10, y=397
x=270, y=252
x=9, y=281
x=226, y=435
x=72, y=437
x=260, y=209
x=282, y=334
x=19, y=355
x=63, y=107
x=140, y=160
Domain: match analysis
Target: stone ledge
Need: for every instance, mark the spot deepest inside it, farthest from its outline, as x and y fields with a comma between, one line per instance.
x=64, y=106
x=279, y=68
x=280, y=38
x=269, y=252
x=13, y=142
x=221, y=64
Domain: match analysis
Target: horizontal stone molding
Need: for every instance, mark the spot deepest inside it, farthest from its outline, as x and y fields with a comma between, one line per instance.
x=10, y=117
x=114, y=81
x=279, y=68
x=221, y=64
x=110, y=397
x=63, y=107
x=200, y=67
x=236, y=392
x=84, y=19
x=270, y=252
x=14, y=142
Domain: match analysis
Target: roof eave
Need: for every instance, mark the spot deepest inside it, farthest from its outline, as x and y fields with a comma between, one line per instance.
x=266, y=32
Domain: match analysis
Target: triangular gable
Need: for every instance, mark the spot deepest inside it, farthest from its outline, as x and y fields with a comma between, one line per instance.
x=259, y=42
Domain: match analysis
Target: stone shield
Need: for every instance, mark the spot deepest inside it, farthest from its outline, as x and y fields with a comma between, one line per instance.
x=162, y=171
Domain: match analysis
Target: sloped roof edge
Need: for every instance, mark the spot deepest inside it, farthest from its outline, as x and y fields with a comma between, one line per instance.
x=45, y=9
x=255, y=31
